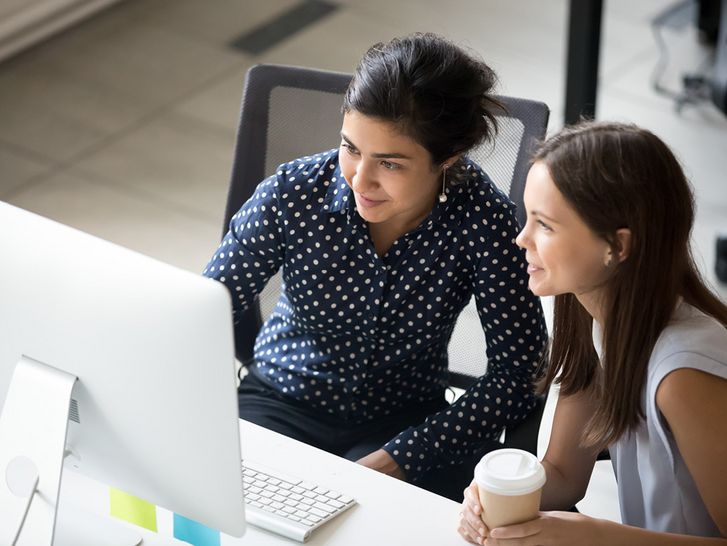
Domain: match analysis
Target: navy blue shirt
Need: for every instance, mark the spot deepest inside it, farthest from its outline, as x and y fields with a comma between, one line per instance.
x=361, y=336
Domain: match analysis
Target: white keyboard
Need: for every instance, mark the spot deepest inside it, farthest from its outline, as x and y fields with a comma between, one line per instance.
x=286, y=505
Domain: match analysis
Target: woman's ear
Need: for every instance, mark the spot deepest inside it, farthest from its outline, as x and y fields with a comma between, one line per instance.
x=447, y=163
x=623, y=242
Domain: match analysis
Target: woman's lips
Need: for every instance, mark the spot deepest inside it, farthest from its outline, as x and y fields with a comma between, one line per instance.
x=533, y=268
x=366, y=202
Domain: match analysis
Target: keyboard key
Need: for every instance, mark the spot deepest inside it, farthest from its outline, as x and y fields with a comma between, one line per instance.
x=317, y=512
x=324, y=507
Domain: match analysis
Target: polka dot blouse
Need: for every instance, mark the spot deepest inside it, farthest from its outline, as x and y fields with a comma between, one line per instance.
x=361, y=336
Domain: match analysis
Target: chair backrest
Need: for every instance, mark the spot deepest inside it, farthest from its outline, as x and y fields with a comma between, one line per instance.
x=288, y=112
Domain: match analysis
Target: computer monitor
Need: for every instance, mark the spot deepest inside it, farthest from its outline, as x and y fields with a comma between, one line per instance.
x=142, y=355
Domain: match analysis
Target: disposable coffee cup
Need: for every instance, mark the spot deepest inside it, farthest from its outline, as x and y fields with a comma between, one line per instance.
x=509, y=482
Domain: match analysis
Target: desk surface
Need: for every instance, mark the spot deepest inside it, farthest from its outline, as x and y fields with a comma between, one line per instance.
x=388, y=511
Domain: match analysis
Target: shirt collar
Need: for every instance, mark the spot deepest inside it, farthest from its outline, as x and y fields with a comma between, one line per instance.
x=339, y=196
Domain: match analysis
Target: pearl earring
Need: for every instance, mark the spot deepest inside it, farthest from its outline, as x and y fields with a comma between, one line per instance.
x=443, y=195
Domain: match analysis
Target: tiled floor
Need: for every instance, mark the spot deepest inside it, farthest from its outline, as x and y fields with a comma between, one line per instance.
x=124, y=125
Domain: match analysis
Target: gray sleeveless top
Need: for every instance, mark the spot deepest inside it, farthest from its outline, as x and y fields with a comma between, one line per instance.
x=655, y=488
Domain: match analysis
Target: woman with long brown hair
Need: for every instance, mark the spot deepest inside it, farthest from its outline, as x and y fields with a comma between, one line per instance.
x=639, y=345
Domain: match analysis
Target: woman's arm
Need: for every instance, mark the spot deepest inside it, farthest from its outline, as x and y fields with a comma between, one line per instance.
x=515, y=330
x=252, y=251
x=694, y=404
x=569, y=529
x=568, y=465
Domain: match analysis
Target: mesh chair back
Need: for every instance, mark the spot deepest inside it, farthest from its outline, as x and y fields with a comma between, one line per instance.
x=288, y=112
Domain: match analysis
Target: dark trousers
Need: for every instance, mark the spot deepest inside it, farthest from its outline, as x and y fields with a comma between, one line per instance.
x=260, y=404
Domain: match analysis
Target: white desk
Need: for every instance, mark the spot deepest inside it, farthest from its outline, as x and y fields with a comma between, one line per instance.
x=389, y=512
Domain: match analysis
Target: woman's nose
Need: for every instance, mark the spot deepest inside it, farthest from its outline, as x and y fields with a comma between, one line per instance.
x=522, y=239
x=363, y=178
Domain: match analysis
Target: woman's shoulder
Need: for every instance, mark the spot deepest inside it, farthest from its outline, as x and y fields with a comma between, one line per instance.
x=692, y=339
x=309, y=170
x=480, y=192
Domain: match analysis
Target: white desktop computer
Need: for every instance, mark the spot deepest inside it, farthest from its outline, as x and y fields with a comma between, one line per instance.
x=120, y=366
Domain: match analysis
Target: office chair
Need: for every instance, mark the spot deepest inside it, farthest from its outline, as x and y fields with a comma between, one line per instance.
x=288, y=112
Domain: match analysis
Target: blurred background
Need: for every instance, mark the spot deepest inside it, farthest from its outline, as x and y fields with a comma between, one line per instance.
x=119, y=117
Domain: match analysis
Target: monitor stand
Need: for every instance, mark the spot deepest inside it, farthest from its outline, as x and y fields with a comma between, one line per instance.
x=33, y=426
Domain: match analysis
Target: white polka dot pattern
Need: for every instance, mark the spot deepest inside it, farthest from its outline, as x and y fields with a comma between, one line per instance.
x=360, y=336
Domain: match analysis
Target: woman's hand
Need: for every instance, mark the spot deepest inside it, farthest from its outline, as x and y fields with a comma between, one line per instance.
x=550, y=529
x=383, y=462
x=471, y=526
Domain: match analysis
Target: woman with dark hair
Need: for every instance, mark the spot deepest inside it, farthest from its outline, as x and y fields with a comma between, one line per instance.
x=382, y=242
x=639, y=345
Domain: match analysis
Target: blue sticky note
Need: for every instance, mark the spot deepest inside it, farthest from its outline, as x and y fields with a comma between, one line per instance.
x=195, y=533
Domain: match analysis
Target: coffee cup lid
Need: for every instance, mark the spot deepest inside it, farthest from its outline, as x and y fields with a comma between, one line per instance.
x=510, y=472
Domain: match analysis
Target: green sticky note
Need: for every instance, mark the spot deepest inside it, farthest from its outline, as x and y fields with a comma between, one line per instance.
x=133, y=509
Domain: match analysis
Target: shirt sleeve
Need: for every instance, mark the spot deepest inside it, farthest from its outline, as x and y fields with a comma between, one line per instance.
x=253, y=249
x=515, y=330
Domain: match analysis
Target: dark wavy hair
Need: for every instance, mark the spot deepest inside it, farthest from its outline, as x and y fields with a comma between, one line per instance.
x=432, y=90
x=621, y=176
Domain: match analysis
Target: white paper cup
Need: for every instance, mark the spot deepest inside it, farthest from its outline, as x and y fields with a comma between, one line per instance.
x=509, y=482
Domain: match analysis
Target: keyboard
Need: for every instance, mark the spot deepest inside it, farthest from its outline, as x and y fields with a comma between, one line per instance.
x=288, y=506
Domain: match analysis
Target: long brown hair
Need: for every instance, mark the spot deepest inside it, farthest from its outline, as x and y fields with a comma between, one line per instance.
x=621, y=176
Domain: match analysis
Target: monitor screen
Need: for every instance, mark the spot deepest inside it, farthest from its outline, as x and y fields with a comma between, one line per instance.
x=142, y=355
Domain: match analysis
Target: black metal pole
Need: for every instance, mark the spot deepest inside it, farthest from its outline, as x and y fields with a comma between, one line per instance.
x=584, y=38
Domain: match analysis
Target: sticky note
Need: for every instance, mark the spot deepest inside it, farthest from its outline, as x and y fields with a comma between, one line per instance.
x=195, y=533
x=133, y=509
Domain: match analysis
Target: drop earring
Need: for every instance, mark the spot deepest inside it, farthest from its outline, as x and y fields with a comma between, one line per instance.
x=443, y=195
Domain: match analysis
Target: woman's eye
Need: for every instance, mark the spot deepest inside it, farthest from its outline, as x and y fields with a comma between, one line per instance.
x=545, y=226
x=350, y=149
x=389, y=165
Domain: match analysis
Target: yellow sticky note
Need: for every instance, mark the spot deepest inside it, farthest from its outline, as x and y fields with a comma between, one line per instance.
x=133, y=509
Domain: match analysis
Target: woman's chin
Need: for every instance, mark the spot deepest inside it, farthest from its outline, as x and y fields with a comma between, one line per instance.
x=539, y=289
